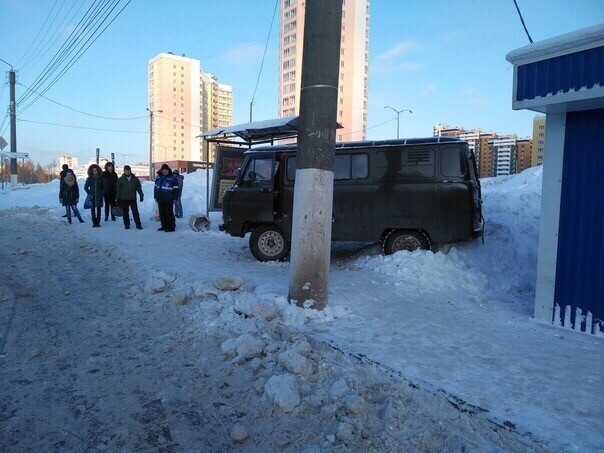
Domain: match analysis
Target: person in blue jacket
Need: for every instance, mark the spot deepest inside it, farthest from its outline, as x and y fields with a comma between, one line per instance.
x=166, y=193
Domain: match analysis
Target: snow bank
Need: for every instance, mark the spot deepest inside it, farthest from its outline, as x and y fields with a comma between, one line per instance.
x=47, y=195
x=504, y=266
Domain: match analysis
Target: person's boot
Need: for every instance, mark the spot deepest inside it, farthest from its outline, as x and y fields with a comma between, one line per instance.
x=161, y=229
x=68, y=219
x=80, y=219
x=139, y=227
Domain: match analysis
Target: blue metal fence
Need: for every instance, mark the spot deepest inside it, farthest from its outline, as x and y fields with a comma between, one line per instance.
x=580, y=264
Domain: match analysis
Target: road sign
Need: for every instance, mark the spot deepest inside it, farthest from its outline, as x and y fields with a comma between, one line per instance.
x=9, y=155
x=3, y=143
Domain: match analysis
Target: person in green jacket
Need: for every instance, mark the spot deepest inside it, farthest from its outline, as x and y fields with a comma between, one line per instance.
x=127, y=187
x=95, y=188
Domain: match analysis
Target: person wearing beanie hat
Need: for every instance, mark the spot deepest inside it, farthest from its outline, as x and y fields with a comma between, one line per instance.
x=166, y=192
x=128, y=185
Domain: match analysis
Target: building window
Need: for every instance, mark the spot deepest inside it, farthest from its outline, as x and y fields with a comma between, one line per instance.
x=289, y=26
x=289, y=63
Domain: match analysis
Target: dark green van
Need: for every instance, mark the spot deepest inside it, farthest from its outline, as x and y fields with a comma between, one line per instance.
x=407, y=194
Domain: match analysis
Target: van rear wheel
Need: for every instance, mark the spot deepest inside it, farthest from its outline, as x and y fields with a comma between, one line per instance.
x=405, y=240
x=267, y=243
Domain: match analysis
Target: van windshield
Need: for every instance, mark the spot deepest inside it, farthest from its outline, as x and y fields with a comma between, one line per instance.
x=258, y=169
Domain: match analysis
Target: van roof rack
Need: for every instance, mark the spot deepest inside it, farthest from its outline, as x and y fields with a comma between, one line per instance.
x=367, y=143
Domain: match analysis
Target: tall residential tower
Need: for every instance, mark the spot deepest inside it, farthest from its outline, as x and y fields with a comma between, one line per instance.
x=192, y=102
x=354, y=65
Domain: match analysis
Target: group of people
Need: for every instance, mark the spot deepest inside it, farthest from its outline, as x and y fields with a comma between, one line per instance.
x=104, y=188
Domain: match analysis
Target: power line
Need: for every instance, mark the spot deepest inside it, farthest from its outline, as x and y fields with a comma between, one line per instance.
x=106, y=10
x=56, y=35
x=83, y=127
x=74, y=126
x=67, y=45
x=42, y=39
x=268, y=36
x=39, y=31
x=80, y=111
x=523, y=24
x=367, y=128
x=91, y=19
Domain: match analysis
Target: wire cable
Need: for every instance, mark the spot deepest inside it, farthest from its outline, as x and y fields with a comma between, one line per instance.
x=55, y=36
x=76, y=57
x=82, y=112
x=82, y=127
x=523, y=24
x=66, y=46
x=270, y=29
x=39, y=31
x=81, y=52
x=86, y=24
x=43, y=38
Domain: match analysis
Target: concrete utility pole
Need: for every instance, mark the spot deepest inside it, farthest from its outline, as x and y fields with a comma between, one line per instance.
x=98, y=155
x=151, y=112
x=13, y=123
x=313, y=191
x=398, y=118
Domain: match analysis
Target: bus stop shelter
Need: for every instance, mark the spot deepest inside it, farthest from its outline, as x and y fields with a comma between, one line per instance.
x=231, y=142
x=563, y=77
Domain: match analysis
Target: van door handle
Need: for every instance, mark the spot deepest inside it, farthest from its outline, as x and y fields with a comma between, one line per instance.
x=265, y=190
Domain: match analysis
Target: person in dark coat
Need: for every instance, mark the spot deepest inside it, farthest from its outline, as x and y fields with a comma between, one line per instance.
x=69, y=195
x=110, y=178
x=166, y=192
x=95, y=187
x=178, y=205
x=64, y=170
x=127, y=187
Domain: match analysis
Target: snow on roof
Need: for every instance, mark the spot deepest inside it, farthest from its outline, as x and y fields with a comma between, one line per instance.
x=288, y=124
x=258, y=130
x=586, y=38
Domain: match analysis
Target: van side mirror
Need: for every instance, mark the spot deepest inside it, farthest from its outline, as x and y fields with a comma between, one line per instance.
x=238, y=176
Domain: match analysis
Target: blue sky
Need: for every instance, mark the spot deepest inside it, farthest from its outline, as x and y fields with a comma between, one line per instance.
x=444, y=60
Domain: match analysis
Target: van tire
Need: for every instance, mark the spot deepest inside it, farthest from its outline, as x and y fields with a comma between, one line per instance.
x=267, y=243
x=410, y=240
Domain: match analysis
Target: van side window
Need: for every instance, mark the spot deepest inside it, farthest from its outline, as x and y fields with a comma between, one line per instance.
x=258, y=170
x=360, y=166
x=342, y=167
x=346, y=166
x=453, y=163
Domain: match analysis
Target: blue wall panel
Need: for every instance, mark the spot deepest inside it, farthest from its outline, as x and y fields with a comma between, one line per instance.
x=580, y=264
x=572, y=71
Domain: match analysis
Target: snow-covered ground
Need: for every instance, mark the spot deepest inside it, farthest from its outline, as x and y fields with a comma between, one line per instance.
x=457, y=326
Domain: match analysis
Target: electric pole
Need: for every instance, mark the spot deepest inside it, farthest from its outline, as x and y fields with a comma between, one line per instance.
x=151, y=112
x=13, y=123
x=313, y=190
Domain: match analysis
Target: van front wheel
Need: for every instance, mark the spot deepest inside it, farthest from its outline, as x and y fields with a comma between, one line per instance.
x=405, y=240
x=267, y=243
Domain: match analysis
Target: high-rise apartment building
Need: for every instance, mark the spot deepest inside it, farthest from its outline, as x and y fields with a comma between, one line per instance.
x=538, y=140
x=478, y=142
x=71, y=161
x=523, y=153
x=504, y=149
x=354, y=65
x=191, y=102
x=486, y=163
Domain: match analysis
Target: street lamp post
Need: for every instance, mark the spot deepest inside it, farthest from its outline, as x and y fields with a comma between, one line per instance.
x=151, y=112
x=398, y=117
x=124, y=157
